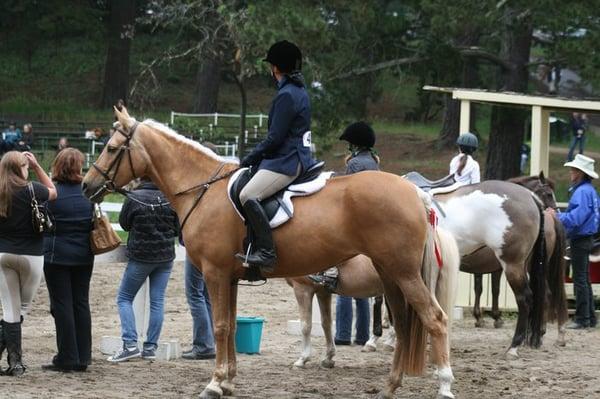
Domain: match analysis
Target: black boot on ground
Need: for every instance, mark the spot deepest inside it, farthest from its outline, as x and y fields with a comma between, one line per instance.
x=263, y=250
x=12, y=335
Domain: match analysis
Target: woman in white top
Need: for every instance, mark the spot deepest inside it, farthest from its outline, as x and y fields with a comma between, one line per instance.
x=464, y=168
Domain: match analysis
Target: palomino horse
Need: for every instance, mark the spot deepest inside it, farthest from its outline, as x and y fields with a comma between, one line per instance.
x=351, y=215
x=506, y=218
x=555, y=251
x=358, y=278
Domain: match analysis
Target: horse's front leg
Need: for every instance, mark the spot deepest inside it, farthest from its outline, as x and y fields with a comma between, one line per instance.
x=219, y=289
x=304, y=295
x=478, y=280
x=228, y=386
x=371, y=345
x=496, y=315
x=325, y=307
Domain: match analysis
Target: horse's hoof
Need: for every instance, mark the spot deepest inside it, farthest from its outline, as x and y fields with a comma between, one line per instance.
x=446, y=395
x=327, y=363
x=561, y=342
x=211, y=394
x=512, y=354
x=498, y=323
x=368, y=348
x=227, y=388
x=300, y=363
x=480, y=323
x=388, y=348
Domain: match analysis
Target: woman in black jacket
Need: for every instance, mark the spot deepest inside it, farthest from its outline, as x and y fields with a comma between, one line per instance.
x=152, y=225
x=68, y=263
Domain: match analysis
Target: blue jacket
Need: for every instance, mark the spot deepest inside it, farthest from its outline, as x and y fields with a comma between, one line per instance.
x=11, y=136
x=289, y=140
x=69, y=244
x=582, y=216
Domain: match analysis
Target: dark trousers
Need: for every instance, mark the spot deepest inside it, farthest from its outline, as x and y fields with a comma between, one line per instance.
x=69, y=288
x=584, y=297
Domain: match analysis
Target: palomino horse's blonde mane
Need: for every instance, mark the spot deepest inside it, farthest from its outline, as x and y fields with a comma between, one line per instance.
x=182, y=139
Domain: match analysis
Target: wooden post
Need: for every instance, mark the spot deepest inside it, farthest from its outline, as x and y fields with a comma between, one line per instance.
x=540, y=140
x=465, y=117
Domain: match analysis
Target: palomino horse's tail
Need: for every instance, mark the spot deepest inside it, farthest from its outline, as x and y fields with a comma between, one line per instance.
x=537, y=283
x=557, y=264
x=446, y=282
x=414, y=335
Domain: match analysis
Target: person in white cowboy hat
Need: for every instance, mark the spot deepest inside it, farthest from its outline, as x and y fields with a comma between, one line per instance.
x=581, y=221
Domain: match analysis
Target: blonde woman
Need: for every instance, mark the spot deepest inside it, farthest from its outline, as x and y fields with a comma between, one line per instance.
x=21, y=249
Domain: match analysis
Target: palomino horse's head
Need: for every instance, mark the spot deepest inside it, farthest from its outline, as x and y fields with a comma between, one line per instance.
x=118, y=164
x=542, y=187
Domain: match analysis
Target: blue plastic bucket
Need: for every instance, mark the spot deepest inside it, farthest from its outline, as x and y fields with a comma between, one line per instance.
x=248, y=333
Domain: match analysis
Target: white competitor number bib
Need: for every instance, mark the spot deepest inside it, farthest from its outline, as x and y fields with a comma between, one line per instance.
x=307, y=139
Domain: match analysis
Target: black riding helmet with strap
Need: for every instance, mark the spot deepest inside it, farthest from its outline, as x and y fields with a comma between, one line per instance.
x=359, y=134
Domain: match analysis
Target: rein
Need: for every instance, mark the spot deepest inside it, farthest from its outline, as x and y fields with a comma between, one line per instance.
x=203, y=188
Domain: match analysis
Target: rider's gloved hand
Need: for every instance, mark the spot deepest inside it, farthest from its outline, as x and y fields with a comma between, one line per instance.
x=249, y=160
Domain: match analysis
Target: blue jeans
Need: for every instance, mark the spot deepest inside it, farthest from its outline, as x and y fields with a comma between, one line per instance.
x=199, y=302
x=574, y=143
x=134, y=277
x=584, y=296
x=343, y=319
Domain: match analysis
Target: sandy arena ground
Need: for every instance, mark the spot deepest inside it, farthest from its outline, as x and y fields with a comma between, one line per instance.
x=480, y=368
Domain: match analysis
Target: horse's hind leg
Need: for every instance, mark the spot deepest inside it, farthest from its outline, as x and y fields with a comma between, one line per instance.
x=304, y=295
x=325, y=307
x=478, y=282
x=496, y=315
x=517, y=279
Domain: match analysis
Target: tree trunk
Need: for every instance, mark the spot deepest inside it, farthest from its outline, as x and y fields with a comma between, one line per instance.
x=507, y=124
x=120, y=34
x=469, y=79
x=208, y=80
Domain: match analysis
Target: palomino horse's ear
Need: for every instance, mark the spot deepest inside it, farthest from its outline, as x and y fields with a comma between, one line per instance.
x=542, y=177
x=123, y=117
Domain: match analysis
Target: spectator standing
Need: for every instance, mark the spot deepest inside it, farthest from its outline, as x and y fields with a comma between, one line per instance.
x=578, y=126
x=581, y=221
x=21, y=249
x=196, y=292
x=68, y=264
x=63, y=143
x=26, y=141
x=152, y=225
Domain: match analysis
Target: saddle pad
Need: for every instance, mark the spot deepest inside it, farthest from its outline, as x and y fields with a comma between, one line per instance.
x=284, y=197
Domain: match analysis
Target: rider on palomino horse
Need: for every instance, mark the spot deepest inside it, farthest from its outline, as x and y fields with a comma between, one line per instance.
x=283, y=155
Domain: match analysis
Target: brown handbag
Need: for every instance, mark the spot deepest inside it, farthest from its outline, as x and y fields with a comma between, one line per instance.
x=103, y=237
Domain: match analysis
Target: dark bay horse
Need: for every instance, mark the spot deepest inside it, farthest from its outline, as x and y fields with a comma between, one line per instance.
x=351, y=215
x=358, y=278
x=506, y=218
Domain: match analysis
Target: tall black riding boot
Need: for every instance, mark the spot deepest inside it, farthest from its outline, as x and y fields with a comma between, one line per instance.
x=12, y=334
x=2, y=343
x=263, y=251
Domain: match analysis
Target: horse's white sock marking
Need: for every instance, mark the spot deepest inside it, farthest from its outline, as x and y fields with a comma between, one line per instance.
x=446, y=379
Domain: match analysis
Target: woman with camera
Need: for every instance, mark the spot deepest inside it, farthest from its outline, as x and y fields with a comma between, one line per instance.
x=21, y=248
x=68, y=263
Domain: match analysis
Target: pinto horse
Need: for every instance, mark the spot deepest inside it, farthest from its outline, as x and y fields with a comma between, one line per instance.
x=506, y=218
x=483, y=261
x=351, y=215
x=358, y=278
